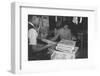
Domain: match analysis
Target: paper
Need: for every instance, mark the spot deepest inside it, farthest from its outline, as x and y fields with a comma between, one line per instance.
x=64, y=50
x=65, y=45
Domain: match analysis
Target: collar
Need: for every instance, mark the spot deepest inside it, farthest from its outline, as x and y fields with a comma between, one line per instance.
x=34, y=26
x=31, y=23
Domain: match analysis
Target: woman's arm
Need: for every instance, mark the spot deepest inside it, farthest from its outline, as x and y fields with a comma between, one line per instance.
x=37, y=48
x=56, y=35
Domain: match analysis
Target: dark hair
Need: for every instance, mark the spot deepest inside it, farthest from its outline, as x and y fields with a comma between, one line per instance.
x=63, y=24
x=31, y=16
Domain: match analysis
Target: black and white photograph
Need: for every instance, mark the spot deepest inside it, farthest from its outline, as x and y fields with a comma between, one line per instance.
x=52, y=37
x=49, y=38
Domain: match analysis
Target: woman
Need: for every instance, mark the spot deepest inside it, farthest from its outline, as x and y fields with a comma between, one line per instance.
x=63, y=33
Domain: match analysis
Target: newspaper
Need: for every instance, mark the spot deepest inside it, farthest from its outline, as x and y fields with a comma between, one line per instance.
x=66, y=45
x=62, y=55
x=64, y=50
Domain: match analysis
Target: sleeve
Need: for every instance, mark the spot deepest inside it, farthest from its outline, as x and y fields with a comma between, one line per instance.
x=32, y=35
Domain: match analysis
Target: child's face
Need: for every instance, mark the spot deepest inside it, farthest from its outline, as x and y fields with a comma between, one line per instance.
x=66, y=26
x=35, y=20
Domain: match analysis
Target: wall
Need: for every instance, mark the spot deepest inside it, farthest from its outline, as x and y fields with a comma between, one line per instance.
x=5, y=32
